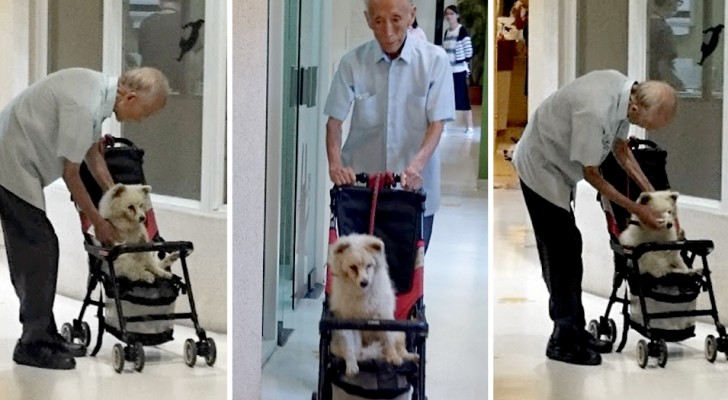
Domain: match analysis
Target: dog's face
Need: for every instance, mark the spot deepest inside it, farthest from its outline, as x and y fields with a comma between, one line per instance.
x=128, y=202
x=356, y=258
x=664, y=202
x=508, y=151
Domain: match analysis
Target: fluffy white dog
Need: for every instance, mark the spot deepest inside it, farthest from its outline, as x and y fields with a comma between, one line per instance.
x=361, y=289
x=657, y=263
x=125, y=207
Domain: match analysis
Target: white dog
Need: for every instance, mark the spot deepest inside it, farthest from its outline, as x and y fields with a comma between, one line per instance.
x=657, y=263
x=361, y=289
x=125, y=207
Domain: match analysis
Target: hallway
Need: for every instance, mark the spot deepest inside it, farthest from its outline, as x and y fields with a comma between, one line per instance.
x=456, y=297
x=522, y=327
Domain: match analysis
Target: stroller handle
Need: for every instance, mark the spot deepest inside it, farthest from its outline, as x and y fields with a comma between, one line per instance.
x=184, y=248
x=699, y=247
x=363, y=177
x=416, y=326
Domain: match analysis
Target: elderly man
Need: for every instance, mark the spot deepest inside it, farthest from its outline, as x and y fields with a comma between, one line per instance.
x=45, y=134
x=565, y=141
x=402, y=92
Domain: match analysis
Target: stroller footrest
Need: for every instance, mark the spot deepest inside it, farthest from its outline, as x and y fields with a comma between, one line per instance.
x=328, y=324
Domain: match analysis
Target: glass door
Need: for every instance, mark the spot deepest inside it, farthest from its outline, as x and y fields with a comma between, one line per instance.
x=685, y=49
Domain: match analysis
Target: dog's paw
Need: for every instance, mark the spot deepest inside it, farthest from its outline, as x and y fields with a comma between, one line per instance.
x=414, y=357
x=352, y=368
x=146, y=276
x=393, y=357
x=164, y=274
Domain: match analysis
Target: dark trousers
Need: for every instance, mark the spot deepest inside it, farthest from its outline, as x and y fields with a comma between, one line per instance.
x=32, y=248
x=427, y=230
x=559, y=249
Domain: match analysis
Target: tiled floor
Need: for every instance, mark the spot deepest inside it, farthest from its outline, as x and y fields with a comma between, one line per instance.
x=165, y=375
x=456, y=297
x=522, y=327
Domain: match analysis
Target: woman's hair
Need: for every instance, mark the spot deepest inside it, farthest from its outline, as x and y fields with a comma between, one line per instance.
x=149, y=84
x=454, y=8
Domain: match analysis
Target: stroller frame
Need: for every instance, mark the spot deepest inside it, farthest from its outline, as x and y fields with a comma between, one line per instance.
x=415, y=327
x=133, y=351
x=626, y=262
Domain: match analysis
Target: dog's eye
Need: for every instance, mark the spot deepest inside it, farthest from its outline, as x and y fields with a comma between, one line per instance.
x=131, y=208
x=369, y=266
x=353, y=268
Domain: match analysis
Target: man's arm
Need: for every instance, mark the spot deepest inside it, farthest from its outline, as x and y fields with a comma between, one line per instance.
x=645, y=214
x=626, y=159
x=104, y=231
x=97, y=165
x=339, y=174
x=412, y=178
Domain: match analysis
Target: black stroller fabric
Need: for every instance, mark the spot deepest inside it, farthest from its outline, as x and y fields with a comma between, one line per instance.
x=398, y=223
x=651, y=158
x=124, y=163
x=382, y=382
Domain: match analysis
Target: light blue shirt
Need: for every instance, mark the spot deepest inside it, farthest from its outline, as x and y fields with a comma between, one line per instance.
x=57, y=118
x=394, y=101
x=573, y=128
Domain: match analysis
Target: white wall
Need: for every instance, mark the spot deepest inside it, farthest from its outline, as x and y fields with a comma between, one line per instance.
x=14, y=40
x=248, y=112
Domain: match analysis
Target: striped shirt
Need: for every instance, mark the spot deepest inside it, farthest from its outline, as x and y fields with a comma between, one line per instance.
x=459, y=48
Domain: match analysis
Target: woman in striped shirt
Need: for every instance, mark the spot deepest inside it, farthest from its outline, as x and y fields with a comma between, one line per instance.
x=459, y=48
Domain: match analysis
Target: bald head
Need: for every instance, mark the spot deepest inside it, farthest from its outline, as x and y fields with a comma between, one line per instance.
x=652, y=104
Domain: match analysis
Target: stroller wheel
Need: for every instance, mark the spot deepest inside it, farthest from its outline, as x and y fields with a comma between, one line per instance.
x=138, y=357
x=117, y=357
x=211, y=354
x=593, y=328
x=662, y=353
x=711, y=348
x=67, y=332
x=85, y=334
x=612, y=335
x=642, y=353
x=190, y=352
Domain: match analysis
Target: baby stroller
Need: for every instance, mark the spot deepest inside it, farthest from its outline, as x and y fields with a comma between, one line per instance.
x=396, y=217
x=137, y=313
x=660, y=309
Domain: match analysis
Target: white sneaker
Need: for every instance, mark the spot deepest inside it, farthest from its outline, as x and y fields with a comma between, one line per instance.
x=469, y=130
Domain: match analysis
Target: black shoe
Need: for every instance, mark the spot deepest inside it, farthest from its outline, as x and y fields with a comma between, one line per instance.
x=598, y=345
x=74, y=349
x=42, y=355
x=567, y=344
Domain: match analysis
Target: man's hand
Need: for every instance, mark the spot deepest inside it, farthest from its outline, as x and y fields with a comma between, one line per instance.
x=649, y=217
x=411, y=178
x=342, y=175
x=105, y=232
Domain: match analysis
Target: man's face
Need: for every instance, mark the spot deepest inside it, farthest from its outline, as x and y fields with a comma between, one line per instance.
x=649, y=120
x=132, y=108
x=389, y=19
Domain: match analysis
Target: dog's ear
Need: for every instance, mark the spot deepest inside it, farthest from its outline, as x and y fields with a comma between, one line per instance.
x=117, y=190
x=146, y=189
x=674, y=196
x=375, y=244
x=340, y=246
x=644, y=198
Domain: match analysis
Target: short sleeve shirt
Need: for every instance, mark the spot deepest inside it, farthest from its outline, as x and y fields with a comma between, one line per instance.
x=393, y=103
x=573, y=128
x=57, y=118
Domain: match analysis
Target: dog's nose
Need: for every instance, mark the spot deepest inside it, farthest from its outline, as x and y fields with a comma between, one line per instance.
x=142, y=218
x=364, y=283
x=669, y=225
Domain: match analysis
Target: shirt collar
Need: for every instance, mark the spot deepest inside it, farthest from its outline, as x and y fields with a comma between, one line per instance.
x=107, y=107
x=379, y=55
x=624, y=99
